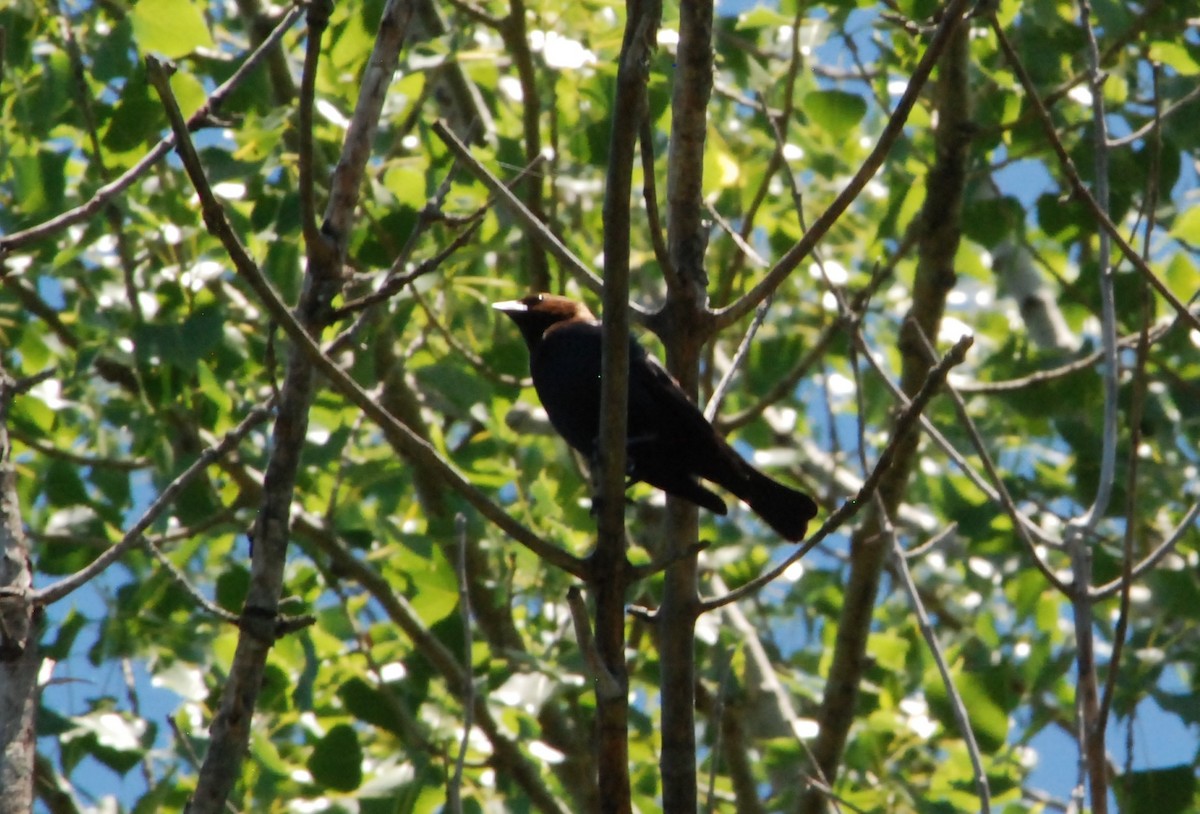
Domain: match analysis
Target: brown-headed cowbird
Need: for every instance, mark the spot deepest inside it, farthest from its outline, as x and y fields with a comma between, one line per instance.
x=670, y=443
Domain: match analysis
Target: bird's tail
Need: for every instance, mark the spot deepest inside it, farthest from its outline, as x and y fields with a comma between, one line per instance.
x=783, y=508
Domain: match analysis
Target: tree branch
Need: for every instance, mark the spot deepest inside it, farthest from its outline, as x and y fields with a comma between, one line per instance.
x=903, y=425
x=134, y=536
x=199, y=119
x=928, y=632
x=401, y=436
x=891, y=133
x=1078, y=188
x=20, y=657
x=939, y=231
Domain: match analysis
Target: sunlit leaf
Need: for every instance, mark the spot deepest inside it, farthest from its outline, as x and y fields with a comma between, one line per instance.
x=837, y=111
x=172, y=28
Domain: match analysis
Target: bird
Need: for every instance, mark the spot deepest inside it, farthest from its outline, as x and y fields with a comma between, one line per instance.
x=670, y=444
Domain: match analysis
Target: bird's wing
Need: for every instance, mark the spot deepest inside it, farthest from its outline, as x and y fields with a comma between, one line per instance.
x=657, y=404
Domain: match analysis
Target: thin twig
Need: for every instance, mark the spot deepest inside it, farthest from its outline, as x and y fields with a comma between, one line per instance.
x=1136, y=410
x=454, y=792
x=776, y=162
x=79, y=459
x=1079, y=189
x=900, y=562
x=533, y=227
x=607, y=685
x=1108, y=302
x=1044, y=376
x=739, y=356
x=654, y=223
x=191, y=590
x=458, y=346
x=904, y=424
x=197, y=120
x=933, y=542
x=399, y=434
x=847, y=322
x=57, y=590
x=1091, y=726
x=396, y=281
x=952, y=15
x=944, y=444
x=998, y=490
x=1156, y=123
x=1110, y=589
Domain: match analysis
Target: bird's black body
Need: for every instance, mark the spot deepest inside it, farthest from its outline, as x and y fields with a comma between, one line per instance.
x=670, y=443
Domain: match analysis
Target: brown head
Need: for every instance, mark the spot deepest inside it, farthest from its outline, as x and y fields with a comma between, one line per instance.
x=538, y=312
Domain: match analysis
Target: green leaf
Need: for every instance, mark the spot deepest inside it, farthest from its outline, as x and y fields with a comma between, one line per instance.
x=181, y=344
x=63, y=484
x=889, y=649
x=336, y=760
x=1187, y=226
x=988, y=719
x=368, y=704
x=266, y=754
x=1176, y=55
x=1182, y=275
x=113, y=738
x=38, y=180
x=136, y=118
x=173, y=28
x=67, y=631
x=436, y=588
x=1157, y=791
x=233, y=583
x=761, y=17
x=836, y=111
x=407, y=183
x=990, y=220
x=189, y=93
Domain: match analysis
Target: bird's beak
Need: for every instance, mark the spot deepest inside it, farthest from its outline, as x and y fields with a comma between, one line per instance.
x=510, y=307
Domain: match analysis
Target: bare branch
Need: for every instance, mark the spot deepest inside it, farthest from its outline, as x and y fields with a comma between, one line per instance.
x=1044, y=376
x=113, y=189
x=57, y=590
x=191, y=590
x=318, y=21
x=1078, y=188
x=454, y=789
x=952, y=14
x=408, y=442
x=1136, y=413
x=1110, y=589
x=739, y=356
x=533, y=227
x=903, y=425
x=900, y=561
x=607, y=685
x=998, y=490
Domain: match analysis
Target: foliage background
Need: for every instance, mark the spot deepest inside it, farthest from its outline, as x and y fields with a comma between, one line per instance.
x=154, y=349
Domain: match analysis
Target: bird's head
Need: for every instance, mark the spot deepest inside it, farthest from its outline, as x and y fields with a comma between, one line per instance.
x=538, y=312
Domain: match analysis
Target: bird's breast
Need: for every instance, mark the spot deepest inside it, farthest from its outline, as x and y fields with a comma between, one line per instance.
x=566, y=374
